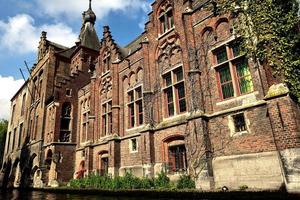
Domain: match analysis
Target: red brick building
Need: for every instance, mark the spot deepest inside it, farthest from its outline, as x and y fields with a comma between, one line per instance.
x=181, y=98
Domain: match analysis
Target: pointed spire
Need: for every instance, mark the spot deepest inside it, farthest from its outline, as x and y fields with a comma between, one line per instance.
x=90, y=5
x=89, y=15
x=88, y=36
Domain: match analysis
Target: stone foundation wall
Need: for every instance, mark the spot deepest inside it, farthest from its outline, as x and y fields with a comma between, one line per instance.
x=258, y=170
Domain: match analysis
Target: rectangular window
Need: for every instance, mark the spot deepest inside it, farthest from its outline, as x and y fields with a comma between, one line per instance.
x=170, y=18
x=8, y=142
x=174, y=92
x=13, y=114
x=226, y=82
x=107, y=118
x=163, y=24
x=23, y=104
x=20, y=134
x=239, y=122
x=177, y=158
x=166, y=20
x=234, y=75
x=135, y=107
x=14, y=138
x=133, y=145
x=104, y=166
x=36, y=127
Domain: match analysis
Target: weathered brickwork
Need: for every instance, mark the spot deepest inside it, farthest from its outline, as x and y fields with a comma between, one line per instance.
x=180, y=98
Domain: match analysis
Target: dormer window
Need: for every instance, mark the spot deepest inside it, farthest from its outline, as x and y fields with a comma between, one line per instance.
x=166, y=19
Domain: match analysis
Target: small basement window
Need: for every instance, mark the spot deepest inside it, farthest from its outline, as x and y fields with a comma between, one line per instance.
x=68, y=92
x=134, y=145
x=239, y=122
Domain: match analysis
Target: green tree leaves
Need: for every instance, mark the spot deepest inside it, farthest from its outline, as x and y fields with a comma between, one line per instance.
x=3, y=130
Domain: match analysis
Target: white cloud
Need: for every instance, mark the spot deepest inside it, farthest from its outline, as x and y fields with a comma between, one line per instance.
x=8, y=87
x=19, y=34
x=72, y=9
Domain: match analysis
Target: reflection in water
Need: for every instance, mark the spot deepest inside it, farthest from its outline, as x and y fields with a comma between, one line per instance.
x=38, y=195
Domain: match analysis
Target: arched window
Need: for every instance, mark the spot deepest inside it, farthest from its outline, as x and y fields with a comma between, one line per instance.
x=103, y=163
x=48, y=159
x=106, y=61
x=65, y=123
x=166, y=18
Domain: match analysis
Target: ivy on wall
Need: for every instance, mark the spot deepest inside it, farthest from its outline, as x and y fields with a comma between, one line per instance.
x=271, y=33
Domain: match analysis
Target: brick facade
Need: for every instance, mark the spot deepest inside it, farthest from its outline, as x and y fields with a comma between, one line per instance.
x=157, y=104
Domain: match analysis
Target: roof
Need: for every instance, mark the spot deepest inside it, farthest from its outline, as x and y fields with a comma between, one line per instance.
x=132, y=46
x=59, y=46
x=67, y=52
x=88, y=37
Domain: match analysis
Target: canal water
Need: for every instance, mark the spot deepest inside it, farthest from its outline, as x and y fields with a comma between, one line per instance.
x=39, y=195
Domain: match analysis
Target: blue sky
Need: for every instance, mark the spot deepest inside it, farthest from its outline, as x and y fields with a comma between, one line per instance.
x=21, y=22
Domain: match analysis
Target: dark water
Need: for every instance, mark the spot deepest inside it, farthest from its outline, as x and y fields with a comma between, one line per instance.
x=38, y=195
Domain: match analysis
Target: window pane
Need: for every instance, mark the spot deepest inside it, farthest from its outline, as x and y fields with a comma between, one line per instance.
x=225, y=75
x=221, y=55
x=109, y=105
x=182, y=105
x=180, y=89
x=227, y=90
x=236, y=49
x=245, y=80
x=170, y=104
x=168, y=79
x=170, y=19
x=179, y=74
x=171, y=109
x=246, y=85
x=131, y=115
x=103, y=125
x=140, y=112
x=104, y=108
x=163, y=24
x=181, y=97
x=169, y=94
x=130, y=96
x=239, y=123
x=139, y=92
x=133, y=145
x=242, y=68
x=110, y=123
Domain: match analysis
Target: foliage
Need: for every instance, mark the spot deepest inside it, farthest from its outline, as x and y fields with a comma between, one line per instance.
x=243, y=187
x=270, y=30
x=186, y=182
x=162, y=181
x=3, y=130
x=129, y=181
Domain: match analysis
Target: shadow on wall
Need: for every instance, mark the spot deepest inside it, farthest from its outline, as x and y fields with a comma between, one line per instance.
x=25, y=162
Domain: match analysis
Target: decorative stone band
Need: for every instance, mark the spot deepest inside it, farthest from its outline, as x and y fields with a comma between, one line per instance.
x=277, y=91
